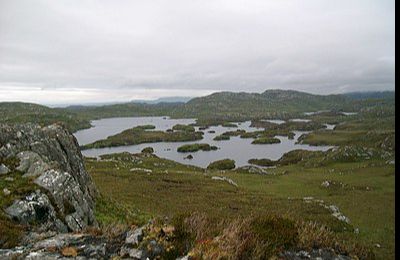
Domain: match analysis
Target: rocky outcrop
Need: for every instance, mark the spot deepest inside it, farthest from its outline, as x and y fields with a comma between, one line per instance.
x=50, y=156
x=122, y=244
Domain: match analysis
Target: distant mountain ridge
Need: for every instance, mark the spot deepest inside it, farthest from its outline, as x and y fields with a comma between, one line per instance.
x=228, y=106
x=270, y=103
x=163, y=100
x=370, y=95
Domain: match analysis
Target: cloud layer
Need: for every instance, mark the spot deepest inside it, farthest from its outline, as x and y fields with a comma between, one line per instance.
x=77, y=51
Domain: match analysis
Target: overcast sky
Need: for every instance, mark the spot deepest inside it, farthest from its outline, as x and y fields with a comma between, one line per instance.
x=94, y=51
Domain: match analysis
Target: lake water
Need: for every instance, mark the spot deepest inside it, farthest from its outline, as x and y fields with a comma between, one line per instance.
x=238, y=149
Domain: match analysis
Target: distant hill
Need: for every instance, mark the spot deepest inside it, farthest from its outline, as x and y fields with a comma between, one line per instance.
x=226, y=106
x=271, y=103
x=371, y=95
x=164, y=100
x=125, y=110
x=19, y=112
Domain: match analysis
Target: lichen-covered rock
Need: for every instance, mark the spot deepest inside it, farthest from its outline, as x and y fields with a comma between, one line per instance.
x=35, y=208
x=51, y=155
x=31, y=164
x=315, y=254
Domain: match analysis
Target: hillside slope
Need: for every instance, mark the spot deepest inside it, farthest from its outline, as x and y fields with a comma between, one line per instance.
x=19, y=112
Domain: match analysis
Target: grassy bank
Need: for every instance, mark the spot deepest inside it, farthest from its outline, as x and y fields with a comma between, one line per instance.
x=363, y=191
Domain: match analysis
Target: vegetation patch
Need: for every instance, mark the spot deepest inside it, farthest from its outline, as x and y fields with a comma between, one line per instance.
x=188, y=148
x=225, y=164
x=222, y=137
x=12, y=187
x=266, y=140
x=185, y=128
x=148, y=150
x=262, y=162
x=228, y=124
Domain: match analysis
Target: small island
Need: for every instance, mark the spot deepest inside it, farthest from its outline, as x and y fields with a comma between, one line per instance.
x=188, y=148
x=266, y=140
x=139, y=135
x=185, y=128
x=225, y=164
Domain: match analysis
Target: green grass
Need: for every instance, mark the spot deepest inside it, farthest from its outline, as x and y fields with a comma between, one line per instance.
x=174, y=188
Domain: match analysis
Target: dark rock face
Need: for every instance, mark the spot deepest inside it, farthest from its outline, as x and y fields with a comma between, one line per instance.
x=50, y=155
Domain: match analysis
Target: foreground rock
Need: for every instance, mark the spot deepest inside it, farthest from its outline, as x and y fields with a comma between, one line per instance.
x=64, y=198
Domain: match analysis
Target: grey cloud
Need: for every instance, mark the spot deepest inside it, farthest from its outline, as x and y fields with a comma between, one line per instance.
x=204, y=46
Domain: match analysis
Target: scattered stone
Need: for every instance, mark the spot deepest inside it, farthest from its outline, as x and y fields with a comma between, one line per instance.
x=230, y=181
x=4, y=169
x=134, y=237
x=189, y=157
x=10, y=179
x=58, y=241
x=326, y=184
x=137, y=254
x=252, y=169
x=96, y=251
x=314, y=254
x=141, y=170
x=332, y=208
x=6, y=192
x=308, y=198
x=154, y=249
